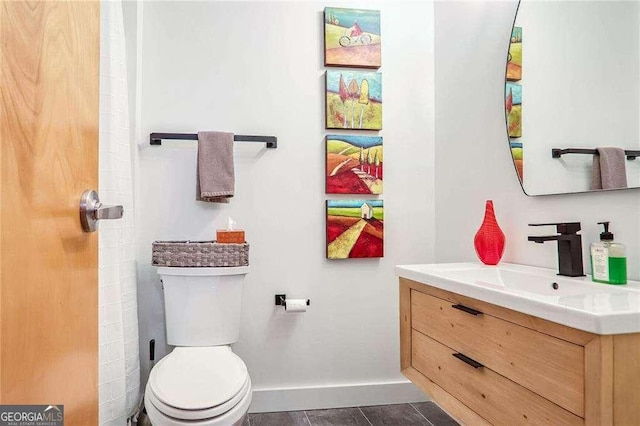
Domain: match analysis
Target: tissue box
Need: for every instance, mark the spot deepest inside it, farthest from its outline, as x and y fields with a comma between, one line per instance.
x=229, y=237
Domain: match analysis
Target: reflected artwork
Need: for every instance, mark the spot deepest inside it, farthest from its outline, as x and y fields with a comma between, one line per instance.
x=516, y=154
x=513, y=106
x=514, y=59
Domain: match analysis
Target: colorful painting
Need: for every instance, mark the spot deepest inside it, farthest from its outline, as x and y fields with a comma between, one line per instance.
x=354, y=100
x=513, y=106
x=352, y=38
x=354, y=164
x=516, y=153
x=514, y=59
x=355, y=229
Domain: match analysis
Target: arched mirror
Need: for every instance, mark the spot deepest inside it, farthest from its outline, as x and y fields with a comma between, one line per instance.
x=573, y=89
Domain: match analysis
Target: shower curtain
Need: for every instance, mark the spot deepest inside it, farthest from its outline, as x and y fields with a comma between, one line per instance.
x=119, y=370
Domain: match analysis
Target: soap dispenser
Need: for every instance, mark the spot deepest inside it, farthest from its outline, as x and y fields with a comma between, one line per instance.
x=608, y=259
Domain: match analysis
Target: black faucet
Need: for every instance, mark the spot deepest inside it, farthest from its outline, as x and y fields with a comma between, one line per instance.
x=569, y=247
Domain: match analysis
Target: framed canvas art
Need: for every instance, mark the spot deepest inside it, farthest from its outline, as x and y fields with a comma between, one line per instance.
x=353, y=100
x=513, y=107
x=514, y=59
x=516, y=154
x=352, y=38
x=354, y=164
x=355, y=229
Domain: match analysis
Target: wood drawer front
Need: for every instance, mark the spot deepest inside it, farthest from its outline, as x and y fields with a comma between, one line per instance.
x=546, y=365
x=494, y=397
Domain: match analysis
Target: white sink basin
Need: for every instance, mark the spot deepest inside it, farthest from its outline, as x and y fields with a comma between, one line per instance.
x=574, y=302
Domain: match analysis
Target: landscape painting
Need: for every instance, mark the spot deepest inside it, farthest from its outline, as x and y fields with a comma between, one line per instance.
x=355, y=229
x=514, y=59
x=513, y=107
x=352, y=38
x=516, y=153
x=354, y=164
x=354, y=100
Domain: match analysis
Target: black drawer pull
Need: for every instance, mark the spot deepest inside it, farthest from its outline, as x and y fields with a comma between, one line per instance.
x=466, y=309
x=466, y=359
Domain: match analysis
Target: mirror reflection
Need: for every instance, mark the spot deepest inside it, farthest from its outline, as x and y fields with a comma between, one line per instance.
x=573, y=85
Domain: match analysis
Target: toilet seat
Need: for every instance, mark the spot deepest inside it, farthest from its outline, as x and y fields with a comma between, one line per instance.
x=233, y=417
x=198, y=414
x=198, y=383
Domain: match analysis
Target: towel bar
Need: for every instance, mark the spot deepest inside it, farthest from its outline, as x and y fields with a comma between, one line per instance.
x=558, y=152
x=156, y=138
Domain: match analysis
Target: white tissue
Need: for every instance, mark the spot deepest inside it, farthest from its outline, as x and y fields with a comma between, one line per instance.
x=231, y=225
x=295, y=305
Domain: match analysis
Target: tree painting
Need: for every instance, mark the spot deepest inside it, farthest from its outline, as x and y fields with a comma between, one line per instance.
x=513, y=107
x=344, y=95
x=365, y=93
x=364, y=99
x=354, y=92
x=354, y=164
x=376, y=161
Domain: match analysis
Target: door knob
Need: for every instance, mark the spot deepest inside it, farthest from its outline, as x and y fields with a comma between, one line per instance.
x=92, y=210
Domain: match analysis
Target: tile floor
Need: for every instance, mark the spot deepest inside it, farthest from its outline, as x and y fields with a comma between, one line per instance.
x=419, y=413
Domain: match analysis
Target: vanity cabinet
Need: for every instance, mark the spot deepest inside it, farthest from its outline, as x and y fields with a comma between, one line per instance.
x=486, y=364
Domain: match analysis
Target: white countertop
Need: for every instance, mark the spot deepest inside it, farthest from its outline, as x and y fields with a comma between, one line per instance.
x=577, y=302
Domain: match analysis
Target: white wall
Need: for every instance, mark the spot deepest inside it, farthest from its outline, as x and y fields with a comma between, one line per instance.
x=581, y=86
x=257, y=68
x=473, y=161
x=130, y=15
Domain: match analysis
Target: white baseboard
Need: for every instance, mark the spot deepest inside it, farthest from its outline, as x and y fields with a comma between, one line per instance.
x=337, y=396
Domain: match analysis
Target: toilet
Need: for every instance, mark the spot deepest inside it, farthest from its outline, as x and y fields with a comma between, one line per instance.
x=201, y=382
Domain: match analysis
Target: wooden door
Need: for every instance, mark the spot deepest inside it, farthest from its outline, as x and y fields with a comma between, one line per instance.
x=49, y=85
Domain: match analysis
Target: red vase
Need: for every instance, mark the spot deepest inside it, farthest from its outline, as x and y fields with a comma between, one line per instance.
x=489, y=240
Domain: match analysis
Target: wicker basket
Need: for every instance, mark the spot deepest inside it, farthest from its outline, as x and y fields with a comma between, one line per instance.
x=199, y=254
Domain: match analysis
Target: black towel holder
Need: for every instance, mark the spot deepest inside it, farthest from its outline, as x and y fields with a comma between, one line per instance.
x=559, y=152
x=156, y=138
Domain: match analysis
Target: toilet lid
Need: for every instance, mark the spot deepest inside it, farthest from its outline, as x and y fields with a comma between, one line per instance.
x=197, y=378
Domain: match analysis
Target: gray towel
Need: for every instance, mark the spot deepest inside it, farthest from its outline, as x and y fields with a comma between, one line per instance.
x=609, y=169
x=215, y=180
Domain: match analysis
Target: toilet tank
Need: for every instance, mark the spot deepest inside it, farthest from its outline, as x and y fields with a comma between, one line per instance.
x=202, y=305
